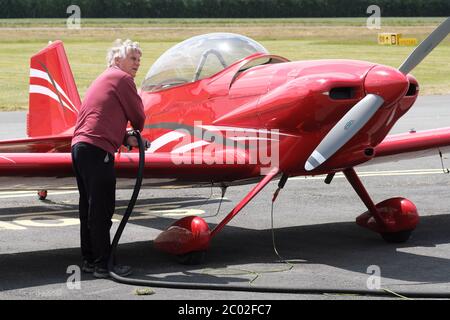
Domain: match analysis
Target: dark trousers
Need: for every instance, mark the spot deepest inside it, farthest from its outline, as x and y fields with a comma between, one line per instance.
x=96, y=179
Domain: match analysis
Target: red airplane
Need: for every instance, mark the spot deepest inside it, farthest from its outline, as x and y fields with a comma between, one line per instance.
x=223, y=111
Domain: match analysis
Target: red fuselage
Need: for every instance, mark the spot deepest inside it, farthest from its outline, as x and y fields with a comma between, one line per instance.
x=303, y=100
x=261, y=93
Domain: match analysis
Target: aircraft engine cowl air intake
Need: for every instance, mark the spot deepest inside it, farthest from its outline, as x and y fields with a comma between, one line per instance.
x=386, y=82
x=384, y=87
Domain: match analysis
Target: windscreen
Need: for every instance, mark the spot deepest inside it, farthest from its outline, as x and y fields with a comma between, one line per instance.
x=198, y=58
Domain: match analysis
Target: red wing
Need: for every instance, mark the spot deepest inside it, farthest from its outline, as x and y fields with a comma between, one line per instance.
x=157, y=165
x=412, y=145
x=41, y=144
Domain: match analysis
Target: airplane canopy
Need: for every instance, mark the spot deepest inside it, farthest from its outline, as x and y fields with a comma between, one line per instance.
x=197, y=58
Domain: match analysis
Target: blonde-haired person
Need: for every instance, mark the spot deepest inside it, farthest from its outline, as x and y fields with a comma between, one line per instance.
x=109, y=104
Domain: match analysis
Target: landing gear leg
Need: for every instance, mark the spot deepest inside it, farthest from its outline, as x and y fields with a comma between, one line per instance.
x=189, y=237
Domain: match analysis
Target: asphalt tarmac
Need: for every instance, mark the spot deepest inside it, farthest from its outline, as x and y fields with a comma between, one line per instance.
x=314, y=232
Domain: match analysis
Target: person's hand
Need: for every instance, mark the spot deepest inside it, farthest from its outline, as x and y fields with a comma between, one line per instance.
x=133, y=142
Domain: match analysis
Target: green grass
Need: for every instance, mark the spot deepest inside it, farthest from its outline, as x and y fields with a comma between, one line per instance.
x=296, y=39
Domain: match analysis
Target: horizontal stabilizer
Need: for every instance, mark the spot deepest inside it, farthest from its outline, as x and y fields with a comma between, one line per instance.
x=41, y=144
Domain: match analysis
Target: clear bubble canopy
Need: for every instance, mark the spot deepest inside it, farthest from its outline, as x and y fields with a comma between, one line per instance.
x=198, y=58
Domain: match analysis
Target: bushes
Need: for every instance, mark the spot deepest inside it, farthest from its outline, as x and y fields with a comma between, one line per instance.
x=220, y=8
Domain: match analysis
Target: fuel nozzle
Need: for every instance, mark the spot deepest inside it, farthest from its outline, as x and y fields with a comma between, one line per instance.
x=137, y=134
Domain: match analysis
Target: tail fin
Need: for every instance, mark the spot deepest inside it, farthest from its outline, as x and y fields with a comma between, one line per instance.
x=54, y=100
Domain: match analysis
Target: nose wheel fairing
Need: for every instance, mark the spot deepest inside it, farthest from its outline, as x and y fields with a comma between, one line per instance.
x=189, y=234
x=399, y=216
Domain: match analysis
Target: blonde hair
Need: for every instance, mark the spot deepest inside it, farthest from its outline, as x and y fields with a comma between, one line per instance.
x=120, y=49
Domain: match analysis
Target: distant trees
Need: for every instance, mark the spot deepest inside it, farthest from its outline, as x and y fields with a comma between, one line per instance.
x=221, y=8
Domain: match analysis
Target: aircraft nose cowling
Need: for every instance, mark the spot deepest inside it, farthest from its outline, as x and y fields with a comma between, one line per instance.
x=386, y=82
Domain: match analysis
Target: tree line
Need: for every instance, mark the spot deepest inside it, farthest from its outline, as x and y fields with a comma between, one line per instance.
x=221, y=8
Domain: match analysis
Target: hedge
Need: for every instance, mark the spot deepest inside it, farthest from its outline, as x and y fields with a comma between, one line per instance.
x=221, y=8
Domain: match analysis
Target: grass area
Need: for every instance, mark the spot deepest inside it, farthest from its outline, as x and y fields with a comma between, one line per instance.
x=296, y=39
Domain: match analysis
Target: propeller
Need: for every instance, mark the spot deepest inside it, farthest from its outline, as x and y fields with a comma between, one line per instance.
x=344, y=130
x=364, y=110
x=425, y=47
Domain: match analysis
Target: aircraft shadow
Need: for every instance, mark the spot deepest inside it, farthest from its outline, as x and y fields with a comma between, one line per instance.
x=341, y=245
x=45, y=205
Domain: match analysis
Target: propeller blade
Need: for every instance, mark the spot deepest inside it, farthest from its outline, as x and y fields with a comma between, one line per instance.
x=344, y=130
x=425, y=47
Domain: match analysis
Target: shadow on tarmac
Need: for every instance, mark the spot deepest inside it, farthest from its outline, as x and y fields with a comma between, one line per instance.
x=340, y=245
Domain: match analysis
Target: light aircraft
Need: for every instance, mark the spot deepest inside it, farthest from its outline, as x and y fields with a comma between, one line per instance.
x=221, y=110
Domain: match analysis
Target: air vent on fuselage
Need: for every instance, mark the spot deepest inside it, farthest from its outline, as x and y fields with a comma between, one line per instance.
x=342, y=93
x=412, y=90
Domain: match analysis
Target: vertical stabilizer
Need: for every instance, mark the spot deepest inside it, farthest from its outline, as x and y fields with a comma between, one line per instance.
x=53, y=99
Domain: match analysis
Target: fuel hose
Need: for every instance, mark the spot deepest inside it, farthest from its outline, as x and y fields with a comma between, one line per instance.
x=220, y=287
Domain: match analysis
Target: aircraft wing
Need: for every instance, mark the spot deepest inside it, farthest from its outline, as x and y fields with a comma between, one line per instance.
x=412, y=145
x=53, y=170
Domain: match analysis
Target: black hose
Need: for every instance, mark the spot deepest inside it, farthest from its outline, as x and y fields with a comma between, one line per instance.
x=131, y=203
x=219, y=287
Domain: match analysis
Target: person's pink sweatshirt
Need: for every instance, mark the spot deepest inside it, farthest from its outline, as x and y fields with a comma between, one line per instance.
x=110, y=102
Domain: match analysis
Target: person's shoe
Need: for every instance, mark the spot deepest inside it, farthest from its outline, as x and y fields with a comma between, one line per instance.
x=87, y=267
x=121, y=271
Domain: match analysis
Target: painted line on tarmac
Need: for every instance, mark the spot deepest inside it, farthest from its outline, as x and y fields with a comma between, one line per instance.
x=378, y=174
x=23, y=194
x=153, y=208
x=54, y=219
x=13, y=192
